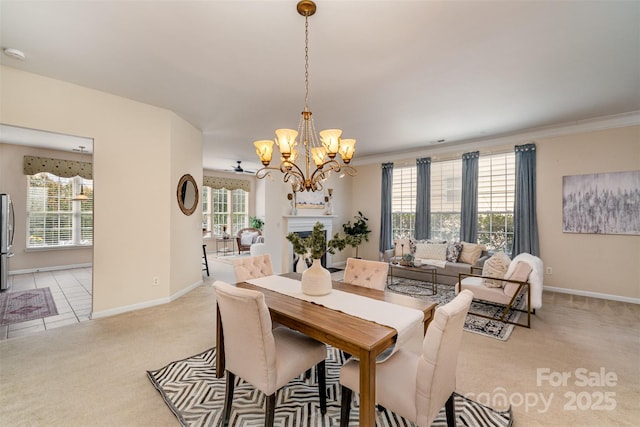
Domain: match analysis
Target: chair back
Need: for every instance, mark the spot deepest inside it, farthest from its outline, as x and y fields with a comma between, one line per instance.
x=249, y=345
x=252, y=267
x=366, y=273
x=520, y=274
x=436, y=377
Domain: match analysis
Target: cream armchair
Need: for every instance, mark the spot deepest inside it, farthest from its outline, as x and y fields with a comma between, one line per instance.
x=264, y=357
x=523, y=275
x=417, y=386
x=369, y=274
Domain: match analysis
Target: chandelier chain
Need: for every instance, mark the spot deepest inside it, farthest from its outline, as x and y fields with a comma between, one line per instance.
x=306, y=63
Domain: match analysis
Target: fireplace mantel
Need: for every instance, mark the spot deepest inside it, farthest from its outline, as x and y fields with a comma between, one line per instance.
x=298, y=223
x=306, y=222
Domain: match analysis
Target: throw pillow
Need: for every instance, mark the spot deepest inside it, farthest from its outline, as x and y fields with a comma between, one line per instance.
x=496, y=266
x=471, y=252
x=246, y=238
x=431, y=251
x=453, y=251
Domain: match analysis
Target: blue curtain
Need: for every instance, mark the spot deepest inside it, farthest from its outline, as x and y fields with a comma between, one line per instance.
x=525, y=222
x=469, y=203
x=386, y=233
x=423, y=199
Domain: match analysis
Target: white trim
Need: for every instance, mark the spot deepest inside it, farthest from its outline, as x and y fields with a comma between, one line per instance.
x=592, y=294
x=53, y=268
x=145, y=304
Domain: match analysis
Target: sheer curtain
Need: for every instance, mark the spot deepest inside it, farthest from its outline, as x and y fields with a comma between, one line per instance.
x=469, y=202
x=525, y=223
x=423, y=199
x=386, y=233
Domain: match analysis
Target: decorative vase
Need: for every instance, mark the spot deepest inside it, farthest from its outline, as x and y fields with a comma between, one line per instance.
x=316, y=280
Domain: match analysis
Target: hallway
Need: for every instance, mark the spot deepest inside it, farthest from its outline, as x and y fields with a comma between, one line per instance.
x=72, y=293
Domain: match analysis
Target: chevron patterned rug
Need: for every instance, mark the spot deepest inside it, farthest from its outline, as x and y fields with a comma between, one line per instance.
x=196, y=397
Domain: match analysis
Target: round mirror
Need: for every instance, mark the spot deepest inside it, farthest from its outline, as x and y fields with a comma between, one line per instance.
x=187, y=194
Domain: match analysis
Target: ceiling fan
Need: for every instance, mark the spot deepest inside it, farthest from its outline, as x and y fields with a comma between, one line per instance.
x=239, y=169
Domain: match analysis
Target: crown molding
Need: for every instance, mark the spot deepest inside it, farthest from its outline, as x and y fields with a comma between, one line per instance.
x=589, y=125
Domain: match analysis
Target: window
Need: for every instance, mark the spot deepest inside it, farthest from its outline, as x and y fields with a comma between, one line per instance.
x=403, y=201
x=222, y=207
x=53, y=218
x=496, y=192
x=446, y=194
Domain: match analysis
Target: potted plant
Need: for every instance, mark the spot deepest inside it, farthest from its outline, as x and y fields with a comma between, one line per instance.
x=358, y=232
x=256, y=222
x=316, y=280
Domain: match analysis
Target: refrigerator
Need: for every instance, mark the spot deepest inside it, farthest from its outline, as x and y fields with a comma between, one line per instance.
x=7, y=226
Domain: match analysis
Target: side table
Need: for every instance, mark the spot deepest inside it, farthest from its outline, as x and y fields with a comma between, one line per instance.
x=222, y=246
x=423, y=269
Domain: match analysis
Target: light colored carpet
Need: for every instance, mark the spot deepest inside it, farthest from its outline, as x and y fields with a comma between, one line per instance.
x=94, y=373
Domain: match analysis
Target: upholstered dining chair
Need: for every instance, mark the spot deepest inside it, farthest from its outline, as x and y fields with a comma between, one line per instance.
x=417, y=386
x=264, y=357
x=252, y=267
x=369, y=274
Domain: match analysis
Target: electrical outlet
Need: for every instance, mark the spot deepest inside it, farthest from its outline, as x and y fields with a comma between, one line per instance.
x=155, y=281
x=549, y=270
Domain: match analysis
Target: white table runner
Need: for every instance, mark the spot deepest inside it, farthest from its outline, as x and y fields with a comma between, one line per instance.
x=407, y=321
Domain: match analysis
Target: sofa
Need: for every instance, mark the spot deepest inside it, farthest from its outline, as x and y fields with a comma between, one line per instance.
x=449, y=258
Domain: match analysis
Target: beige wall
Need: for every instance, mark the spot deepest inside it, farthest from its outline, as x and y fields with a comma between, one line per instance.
x=13, y=181
x=583, y=263
x=186, y=231
x=604, y=264
x=134, y=181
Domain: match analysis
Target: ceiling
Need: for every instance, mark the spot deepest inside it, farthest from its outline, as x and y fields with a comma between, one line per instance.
x=395, y=75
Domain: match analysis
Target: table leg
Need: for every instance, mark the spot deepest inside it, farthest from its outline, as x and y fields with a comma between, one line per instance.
x=367, y=389
x=220, y=362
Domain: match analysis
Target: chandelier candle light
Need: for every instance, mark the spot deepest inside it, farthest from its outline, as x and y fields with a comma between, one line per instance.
x=323, y=153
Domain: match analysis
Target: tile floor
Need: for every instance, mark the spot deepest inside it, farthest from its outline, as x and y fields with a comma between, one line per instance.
x=71, y=290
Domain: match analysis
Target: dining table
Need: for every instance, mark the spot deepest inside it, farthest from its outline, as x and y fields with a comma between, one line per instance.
x=362, y=338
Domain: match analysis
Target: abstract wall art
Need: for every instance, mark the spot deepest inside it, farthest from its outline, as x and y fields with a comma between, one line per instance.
x=603, y=203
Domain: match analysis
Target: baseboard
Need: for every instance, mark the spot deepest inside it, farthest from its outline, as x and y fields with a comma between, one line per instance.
x=593, y=294
x=146, y=304
x=53, y=268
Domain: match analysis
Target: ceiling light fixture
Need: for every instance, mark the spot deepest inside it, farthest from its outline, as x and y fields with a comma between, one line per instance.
x=323, y=153
x=14, y=53
x=80, y=197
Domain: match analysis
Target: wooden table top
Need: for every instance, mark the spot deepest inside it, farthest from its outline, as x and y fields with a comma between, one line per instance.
x=349, y=333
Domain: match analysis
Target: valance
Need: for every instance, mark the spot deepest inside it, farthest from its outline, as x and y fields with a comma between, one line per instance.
x=228, y=183
x=58, y=167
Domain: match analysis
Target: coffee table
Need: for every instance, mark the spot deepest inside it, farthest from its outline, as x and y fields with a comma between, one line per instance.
x=424, y=270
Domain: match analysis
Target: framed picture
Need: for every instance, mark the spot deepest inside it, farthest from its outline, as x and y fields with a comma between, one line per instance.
x=603, y=203
x=310, y=200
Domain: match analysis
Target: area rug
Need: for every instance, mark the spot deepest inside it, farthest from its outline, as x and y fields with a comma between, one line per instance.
x=479, y=325
x=196, y=397
x=21, y=306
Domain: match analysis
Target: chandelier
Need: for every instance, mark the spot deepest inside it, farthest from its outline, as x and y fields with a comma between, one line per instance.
x=321, y=152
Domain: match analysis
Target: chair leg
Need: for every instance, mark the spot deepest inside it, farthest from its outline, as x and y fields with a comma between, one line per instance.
x=204, y=256
x=228, y=398
x=345, y=406
x=270, y=413
x=450, y=409
x=322, y=386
